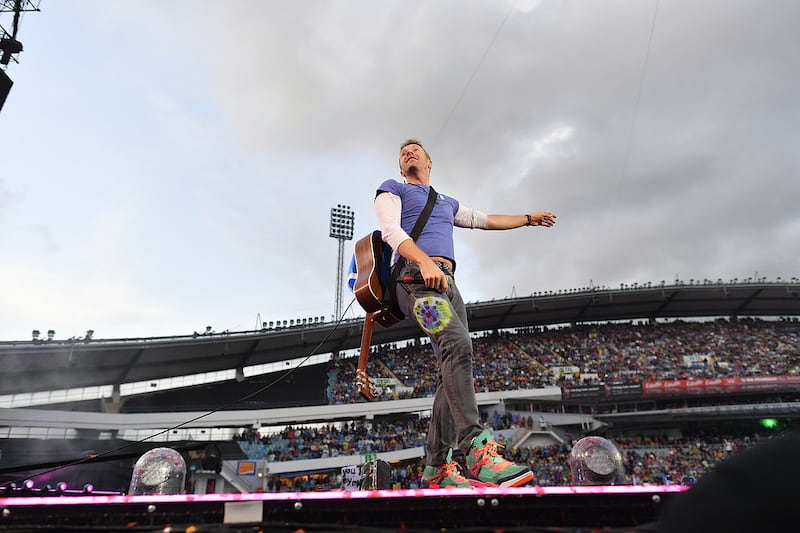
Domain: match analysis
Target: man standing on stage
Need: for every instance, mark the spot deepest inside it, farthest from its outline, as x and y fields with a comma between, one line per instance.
x=436, y=305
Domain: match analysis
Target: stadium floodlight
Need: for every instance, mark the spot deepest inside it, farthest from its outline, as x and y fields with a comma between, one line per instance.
x=342, y=219
x=342, y=223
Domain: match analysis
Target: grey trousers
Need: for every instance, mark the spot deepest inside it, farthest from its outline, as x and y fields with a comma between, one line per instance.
x=455, y=420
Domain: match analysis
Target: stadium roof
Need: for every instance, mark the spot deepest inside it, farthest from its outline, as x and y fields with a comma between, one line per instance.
x=31, y=366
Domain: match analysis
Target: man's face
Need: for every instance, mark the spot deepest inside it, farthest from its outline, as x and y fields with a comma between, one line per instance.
x=412, y=160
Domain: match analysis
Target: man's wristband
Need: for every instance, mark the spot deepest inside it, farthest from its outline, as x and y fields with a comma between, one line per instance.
x=530, y=221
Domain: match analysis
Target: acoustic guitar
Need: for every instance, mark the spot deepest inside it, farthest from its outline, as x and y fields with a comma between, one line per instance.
x=369, y=292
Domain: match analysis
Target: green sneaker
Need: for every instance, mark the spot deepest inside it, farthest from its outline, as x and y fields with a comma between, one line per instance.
x=446, y=475
x=485, y=464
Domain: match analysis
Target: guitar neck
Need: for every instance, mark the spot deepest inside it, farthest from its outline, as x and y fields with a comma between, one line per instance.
x=365, y=387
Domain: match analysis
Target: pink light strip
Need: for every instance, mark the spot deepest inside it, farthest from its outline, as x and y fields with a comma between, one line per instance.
x=340, y=495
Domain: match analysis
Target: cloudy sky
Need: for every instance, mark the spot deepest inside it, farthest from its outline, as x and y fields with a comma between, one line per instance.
x=171, y=165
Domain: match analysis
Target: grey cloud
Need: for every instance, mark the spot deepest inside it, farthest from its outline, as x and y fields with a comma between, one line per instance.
x=692, y=173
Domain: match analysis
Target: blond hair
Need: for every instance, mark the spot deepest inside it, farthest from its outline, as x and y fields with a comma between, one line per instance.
x=414, y=141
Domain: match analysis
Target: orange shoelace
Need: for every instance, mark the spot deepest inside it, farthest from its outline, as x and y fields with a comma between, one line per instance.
x=449, y=469
x=488, y=453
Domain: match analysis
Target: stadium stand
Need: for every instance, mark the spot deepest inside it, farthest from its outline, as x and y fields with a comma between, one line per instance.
x=656, y=387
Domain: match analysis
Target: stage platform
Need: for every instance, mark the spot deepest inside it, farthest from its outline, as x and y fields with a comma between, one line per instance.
x=607, y=508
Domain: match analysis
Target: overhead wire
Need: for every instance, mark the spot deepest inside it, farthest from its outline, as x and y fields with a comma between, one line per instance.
x=634, y=118
x=474, y=73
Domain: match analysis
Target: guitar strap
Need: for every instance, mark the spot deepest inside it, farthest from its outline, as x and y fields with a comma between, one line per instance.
x=389, y=293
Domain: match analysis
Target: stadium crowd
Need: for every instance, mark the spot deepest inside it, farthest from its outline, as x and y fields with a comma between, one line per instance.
x=648, y=460
x=354, y=438
x=556, y=356
x=615, y=352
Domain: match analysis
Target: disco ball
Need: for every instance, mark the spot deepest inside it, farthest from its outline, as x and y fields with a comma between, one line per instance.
x=159, y=471
x=595, y=461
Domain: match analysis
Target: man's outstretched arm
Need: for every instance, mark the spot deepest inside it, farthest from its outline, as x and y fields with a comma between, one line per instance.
x=466, y=217
x=538, y=218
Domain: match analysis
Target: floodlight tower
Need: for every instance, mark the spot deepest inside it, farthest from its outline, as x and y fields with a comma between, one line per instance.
x=342, y=221
x=10, y=47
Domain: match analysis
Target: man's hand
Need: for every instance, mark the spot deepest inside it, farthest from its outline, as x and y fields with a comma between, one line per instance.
x=431, y=273
x=434, y=277
x=539, y=218
x=543, y=218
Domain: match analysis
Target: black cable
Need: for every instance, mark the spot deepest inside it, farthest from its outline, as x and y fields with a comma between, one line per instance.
x=95, y=458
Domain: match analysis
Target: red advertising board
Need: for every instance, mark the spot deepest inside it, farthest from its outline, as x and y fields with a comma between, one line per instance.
x=706, y=385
